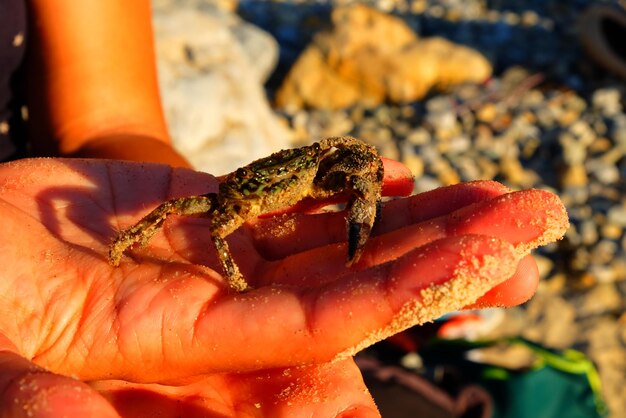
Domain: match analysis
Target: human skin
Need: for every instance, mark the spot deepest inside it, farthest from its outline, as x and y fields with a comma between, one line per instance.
x=163, y=335
x=92, y=88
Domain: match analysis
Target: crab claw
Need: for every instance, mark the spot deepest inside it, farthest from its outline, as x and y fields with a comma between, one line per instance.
x=362, y=215
x=357, y=237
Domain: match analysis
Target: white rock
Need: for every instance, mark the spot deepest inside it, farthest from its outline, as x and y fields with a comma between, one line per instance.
x=211, y=86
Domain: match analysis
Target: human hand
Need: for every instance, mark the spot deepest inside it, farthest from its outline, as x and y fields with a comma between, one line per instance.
x=162, y=334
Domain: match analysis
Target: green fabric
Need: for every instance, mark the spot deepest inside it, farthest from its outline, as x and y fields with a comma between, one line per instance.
x=542, y=393
x=561, y=384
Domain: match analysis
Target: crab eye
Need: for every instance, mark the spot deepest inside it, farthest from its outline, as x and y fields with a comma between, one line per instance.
x=243, y=172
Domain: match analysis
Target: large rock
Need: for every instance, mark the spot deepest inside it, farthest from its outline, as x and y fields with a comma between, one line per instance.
x=212, y=66
x=369, y=57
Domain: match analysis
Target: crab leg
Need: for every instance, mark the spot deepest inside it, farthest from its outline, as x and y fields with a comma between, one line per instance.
x=233, y=275
x=143, y=230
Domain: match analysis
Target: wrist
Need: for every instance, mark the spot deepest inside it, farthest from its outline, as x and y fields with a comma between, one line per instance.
x=131, y=148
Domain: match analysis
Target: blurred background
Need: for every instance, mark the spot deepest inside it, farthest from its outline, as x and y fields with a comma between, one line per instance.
x=528, y=93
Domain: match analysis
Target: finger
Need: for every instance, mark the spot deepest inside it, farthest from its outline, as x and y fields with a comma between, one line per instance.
x=514, y=291
x=280, y=236
x=29, y=391
x=526, y=219
x=397, y=178
x=283, y=326
x=327, y=390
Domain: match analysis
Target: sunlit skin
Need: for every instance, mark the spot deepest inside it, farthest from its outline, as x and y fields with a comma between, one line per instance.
x=166, y=315
x=91, y=82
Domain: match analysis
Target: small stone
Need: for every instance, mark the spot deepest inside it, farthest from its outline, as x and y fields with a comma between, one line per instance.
x=607, y=101
x=511, y=18
x=530, y=146
x=444, y=123
x=458, y=145
x=546, y=118
x=605, y=173
x=454, y=15
x=545, y=265
x=515, y=173
x=412, y=361
x=588, y=232
x=468, y=169
x=487, y=113
x=488, y=168
x=401, y=129
x=604, y=273
x=529, y=18
x=419, y=6
x=600, y=299
x=604, y=251
x=579, y=261
x=617, y=215
x=574, y=176
x=551, y=320
x=502, y=121
x=415, y=164
x=585, y=281
x=574, y=196
x=436, y=11
x=582, y=131
x=426, y=183
x=357, y=114
x=493, y=15
x=600, y=145
x=553, y=284
x=419, y=136
x=445, y=173
x=407, y=111
x=574, y=153
x=612, y=231
x=533, y=98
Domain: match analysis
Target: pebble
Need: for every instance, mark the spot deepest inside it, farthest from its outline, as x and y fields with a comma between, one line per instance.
x=603, y=298
x=588, y=232
x=607, y=101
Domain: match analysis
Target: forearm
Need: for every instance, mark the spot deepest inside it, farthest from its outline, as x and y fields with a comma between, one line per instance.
x=92, y=79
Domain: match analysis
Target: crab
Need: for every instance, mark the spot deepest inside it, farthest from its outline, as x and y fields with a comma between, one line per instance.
x=324, y=169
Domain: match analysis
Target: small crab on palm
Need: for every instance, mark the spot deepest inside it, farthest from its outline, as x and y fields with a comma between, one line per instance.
x=322, y=170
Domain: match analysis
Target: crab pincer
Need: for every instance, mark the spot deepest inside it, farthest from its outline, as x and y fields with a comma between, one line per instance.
x=362, y=216
x=356, y=168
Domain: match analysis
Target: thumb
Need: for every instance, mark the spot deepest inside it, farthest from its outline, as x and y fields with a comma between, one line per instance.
x=27, y=390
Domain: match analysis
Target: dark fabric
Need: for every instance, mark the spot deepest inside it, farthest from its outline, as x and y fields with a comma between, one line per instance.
x=400, y=393
x=12, y=46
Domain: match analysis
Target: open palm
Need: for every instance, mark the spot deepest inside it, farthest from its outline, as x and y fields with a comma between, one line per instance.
x=162, y=332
